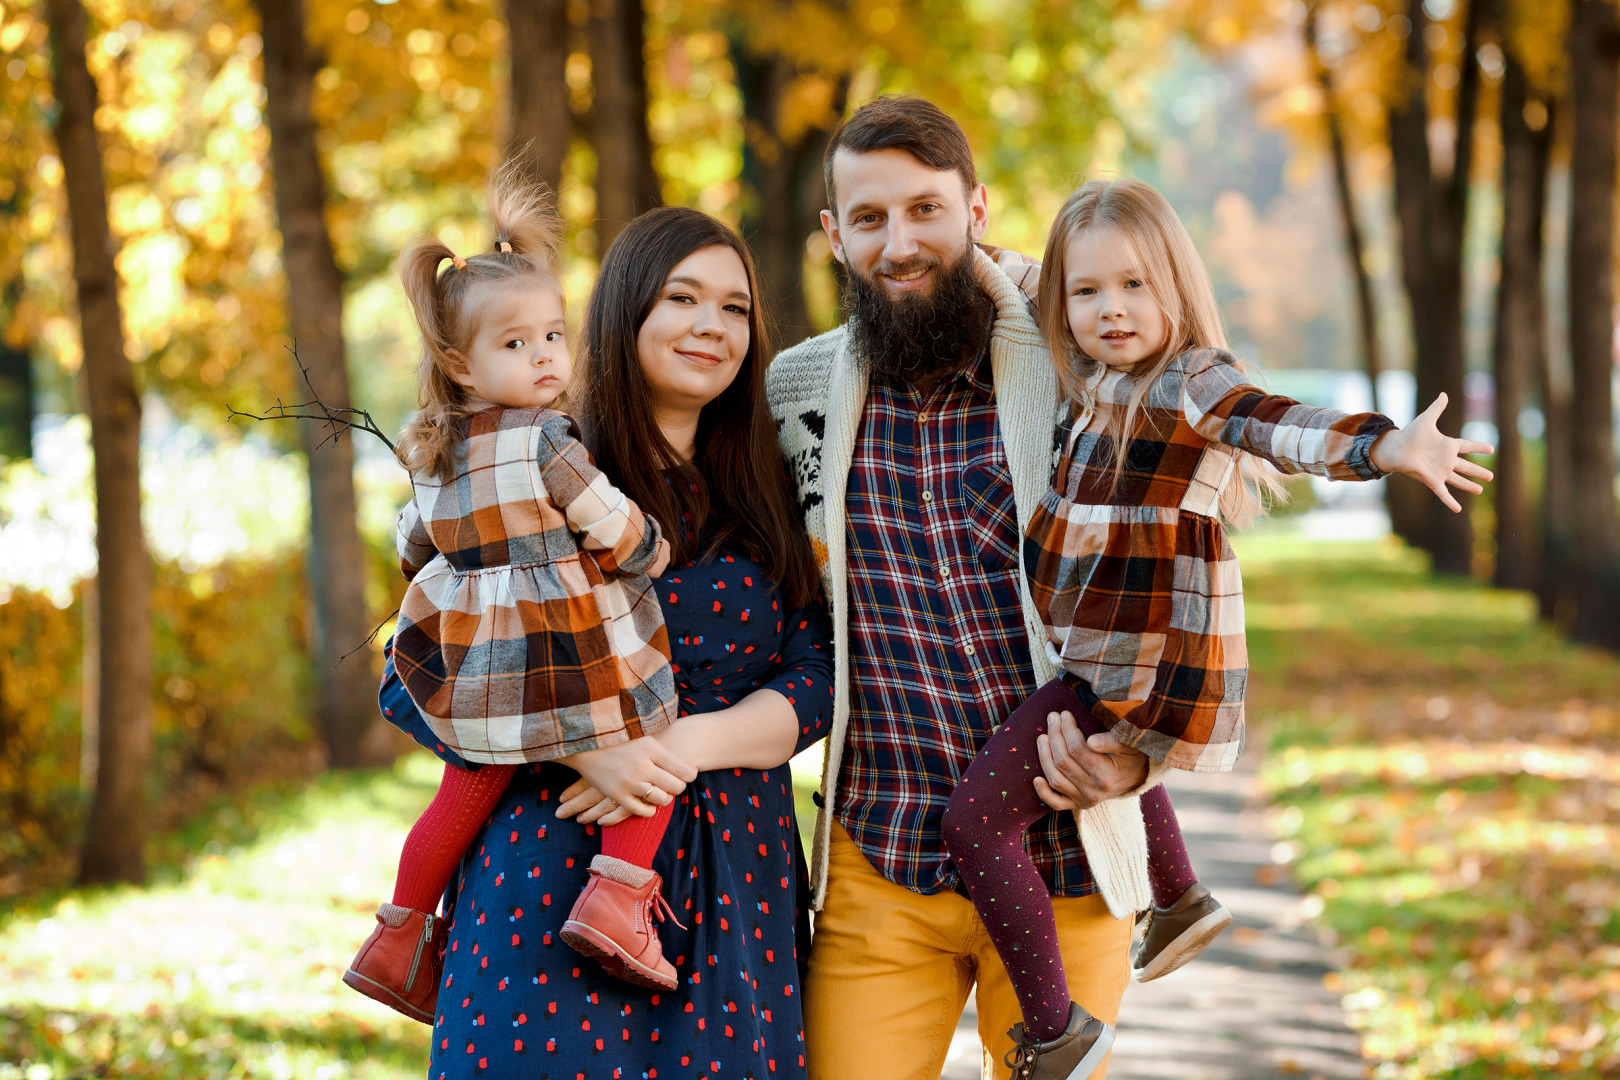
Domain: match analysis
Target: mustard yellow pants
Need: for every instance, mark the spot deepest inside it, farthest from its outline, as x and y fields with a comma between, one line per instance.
x=890, y=970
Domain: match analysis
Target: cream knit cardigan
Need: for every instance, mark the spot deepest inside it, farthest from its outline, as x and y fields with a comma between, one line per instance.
x=817, y=394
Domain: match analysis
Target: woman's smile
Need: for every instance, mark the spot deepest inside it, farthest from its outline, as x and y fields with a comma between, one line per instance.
x=701, y=359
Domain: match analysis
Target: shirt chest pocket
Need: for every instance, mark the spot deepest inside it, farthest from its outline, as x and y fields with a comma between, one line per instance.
x=992, y=516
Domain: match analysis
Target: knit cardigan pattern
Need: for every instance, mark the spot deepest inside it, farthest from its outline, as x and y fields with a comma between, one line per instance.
x=817, y=392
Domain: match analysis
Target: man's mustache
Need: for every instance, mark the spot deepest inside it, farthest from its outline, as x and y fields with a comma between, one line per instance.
x=885, y=268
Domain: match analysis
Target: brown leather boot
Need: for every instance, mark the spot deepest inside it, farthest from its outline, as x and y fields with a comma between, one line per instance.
x=400, y=963
x=1178, y=933
x=1074, y=1055
x=615, y=920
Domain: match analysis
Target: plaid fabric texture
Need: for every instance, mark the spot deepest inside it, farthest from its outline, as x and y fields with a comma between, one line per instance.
x=1139, y=590
x=530, y=630
x=939, y=653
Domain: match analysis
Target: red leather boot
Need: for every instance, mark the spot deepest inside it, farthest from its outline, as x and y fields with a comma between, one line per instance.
x=615, y=920
x=401, y=962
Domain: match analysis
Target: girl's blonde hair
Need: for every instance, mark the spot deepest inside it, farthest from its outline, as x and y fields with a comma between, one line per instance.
x=528, y=243
x=1170, y=267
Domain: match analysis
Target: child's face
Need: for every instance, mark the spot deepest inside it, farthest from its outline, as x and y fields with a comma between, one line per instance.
x=1113, y=315
x=518, y=356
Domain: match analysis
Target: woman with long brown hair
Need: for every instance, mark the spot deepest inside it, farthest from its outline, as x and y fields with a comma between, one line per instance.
x=672, y=406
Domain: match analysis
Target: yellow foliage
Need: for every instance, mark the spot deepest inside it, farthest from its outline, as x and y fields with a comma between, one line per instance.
x=231, y=686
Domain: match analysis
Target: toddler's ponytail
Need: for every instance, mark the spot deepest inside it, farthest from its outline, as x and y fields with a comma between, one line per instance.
x=528, y=242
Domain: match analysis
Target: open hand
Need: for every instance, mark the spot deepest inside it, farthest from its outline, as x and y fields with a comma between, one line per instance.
x=640, y=775
x=1420, y=451
x=1082, y=772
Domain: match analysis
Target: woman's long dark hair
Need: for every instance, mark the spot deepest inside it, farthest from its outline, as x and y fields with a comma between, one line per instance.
x=736, y=491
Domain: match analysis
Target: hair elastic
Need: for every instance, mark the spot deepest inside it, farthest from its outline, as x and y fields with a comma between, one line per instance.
x=458, y=262
x=504, y=245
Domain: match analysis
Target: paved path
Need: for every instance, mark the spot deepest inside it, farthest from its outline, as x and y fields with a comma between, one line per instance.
x=1253, y=1006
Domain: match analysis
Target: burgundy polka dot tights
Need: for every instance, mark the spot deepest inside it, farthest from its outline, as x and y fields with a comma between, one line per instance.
x=984, y=827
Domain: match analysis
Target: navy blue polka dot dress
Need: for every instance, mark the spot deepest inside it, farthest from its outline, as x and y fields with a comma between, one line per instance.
x=517, y=1002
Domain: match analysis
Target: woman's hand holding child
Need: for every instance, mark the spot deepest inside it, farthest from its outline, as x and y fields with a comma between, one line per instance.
x=640, y=776
x=1420, y=451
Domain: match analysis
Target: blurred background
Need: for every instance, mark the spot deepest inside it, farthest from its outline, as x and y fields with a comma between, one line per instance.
x=199, y=806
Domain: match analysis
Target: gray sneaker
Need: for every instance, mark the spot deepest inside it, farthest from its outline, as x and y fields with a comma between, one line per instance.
x=1178, y=933
x=1073, y=1055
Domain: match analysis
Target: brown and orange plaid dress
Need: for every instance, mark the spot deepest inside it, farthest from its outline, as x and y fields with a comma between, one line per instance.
x=530, y=630
x=1138, y=589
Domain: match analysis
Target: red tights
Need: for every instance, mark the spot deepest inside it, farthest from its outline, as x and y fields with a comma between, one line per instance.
x=464, y=802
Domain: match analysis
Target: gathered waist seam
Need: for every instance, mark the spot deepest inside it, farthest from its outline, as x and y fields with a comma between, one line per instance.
x=526, y=565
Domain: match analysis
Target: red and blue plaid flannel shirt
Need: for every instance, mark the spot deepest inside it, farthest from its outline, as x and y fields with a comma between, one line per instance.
x=938, y=650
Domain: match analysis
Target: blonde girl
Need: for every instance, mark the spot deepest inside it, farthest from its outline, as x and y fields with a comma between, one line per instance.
x=530, y=631
x=1129, y=566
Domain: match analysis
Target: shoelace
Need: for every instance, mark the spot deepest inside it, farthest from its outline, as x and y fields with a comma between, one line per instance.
x=1021, y=1056
x=658, y=907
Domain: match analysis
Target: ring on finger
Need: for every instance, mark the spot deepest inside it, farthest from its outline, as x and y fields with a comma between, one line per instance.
x=646, y=796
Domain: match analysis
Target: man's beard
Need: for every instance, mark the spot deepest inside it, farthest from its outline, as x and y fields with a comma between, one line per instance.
x=914, y=337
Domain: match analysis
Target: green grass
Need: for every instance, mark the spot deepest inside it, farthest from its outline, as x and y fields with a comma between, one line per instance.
x=230, y=965
x=1445, y=776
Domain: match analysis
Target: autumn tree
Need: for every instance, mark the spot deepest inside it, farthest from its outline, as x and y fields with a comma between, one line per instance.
x=626, y=182
x=1344, y=191
x=115, y=835
x=1593, y=579
x=540, y=123
x=1431, y=208
x=354, y=731
x=788, y=115
x=1519, y=350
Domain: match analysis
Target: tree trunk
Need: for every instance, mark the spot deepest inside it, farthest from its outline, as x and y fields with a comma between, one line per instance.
x=626, y=182
x=783, y=192
x=16, y=381
x=1413, y=179
x=115, y=837
x=1594, y=579
x=540, y=123
x=1432, y=212
x=1521, y=323
x=1355, y=246
x=1557, y=501
x=354, y=732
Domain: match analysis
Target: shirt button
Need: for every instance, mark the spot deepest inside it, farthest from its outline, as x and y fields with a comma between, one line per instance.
x=928, y=496
x=968, y=649
x=945, y=572
x=922, y=418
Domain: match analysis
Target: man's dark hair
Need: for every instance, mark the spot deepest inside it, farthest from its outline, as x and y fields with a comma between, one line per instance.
x=894, y=122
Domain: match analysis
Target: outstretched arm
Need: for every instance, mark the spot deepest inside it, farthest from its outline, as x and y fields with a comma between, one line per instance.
x=1223, y=406
x=1420, y=451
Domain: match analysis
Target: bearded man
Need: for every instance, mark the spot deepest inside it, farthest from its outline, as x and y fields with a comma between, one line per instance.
x=921, y=433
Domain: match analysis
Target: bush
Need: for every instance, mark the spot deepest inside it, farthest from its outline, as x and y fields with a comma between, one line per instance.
x=232, y=694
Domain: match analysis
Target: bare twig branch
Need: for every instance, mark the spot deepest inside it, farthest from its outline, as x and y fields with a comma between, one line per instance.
x=369, y=637
x=338, y=420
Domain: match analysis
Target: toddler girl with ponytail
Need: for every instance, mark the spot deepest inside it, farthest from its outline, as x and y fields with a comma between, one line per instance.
x=530, y=631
